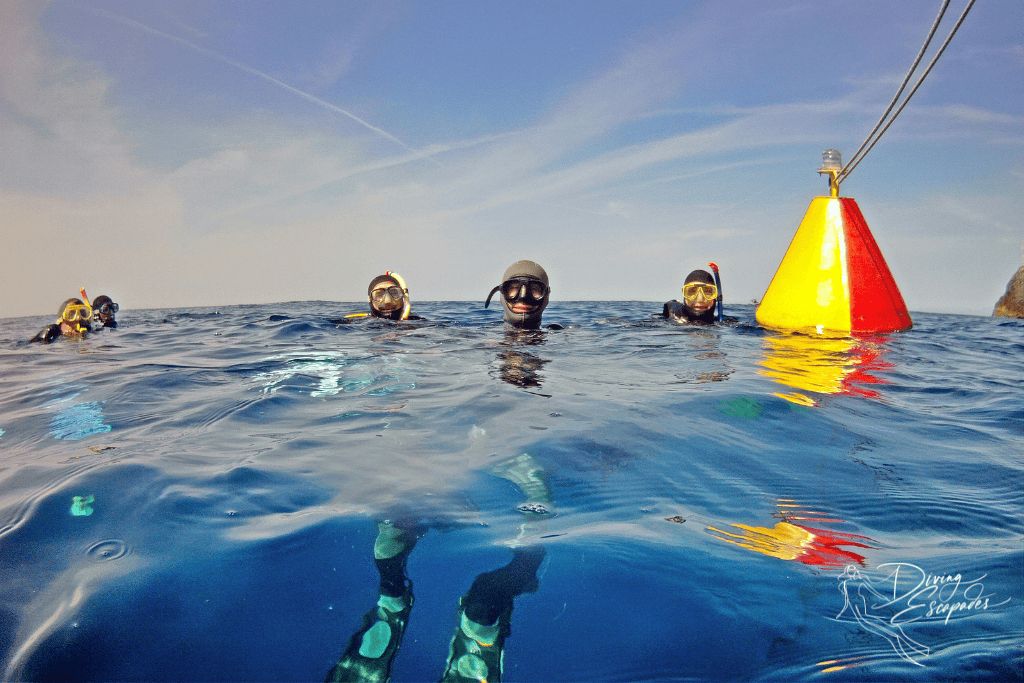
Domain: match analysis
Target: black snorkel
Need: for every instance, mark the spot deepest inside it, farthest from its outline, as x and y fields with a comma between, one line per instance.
x=718, y=284
x=493, y=292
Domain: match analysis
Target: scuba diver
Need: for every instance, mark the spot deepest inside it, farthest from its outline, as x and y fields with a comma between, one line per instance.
x=73, y=318
x=701, y=293
x=388, y=297
x=524, y=295
x=105, y=309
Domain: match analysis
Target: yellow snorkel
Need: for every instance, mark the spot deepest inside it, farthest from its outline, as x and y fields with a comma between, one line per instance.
x=407, y=306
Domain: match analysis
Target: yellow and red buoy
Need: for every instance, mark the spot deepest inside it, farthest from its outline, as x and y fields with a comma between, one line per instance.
x=833, y=278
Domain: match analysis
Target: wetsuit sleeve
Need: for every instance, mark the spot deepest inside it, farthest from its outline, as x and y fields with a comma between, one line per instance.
x=47, y=334
x=674, y=309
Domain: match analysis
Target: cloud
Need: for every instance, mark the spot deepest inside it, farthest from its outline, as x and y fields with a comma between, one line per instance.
x=60, y=133
x=255, y=72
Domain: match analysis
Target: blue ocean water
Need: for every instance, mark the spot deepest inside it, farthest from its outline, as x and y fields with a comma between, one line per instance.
x=195, y=495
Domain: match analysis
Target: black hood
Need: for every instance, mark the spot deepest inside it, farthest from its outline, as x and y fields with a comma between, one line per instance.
x=524, y=269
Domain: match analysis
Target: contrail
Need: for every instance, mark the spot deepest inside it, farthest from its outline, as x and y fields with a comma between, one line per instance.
x=254, y=72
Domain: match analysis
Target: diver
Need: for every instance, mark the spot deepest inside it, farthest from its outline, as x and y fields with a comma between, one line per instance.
x=388, y=297
x=484, y=615
x=104, y=310
x=484, y=618
x=702, y=293
x=73, y=318
x=524, y=295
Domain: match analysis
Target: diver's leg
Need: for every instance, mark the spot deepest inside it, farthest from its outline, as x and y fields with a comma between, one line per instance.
x=485, y=616
x=373, y=648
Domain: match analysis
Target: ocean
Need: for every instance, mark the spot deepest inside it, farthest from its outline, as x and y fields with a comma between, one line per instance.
x=195, y=496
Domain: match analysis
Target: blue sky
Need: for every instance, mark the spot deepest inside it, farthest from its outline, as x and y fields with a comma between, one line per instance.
x=194, y=152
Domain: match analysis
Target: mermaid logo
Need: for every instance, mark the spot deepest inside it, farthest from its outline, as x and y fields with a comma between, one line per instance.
x=903, y=596
x=867, y=606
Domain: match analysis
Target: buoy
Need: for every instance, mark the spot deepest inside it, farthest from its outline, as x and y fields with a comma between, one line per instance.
x=833, y=278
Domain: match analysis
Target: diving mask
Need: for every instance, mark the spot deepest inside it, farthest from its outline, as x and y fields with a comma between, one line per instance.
x=108, y=308
x=74, y=313
x=692, y=289
x=378, y=295
x=528, y=289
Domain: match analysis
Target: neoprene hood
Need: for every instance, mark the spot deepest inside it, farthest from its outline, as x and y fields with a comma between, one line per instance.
x=530, y=270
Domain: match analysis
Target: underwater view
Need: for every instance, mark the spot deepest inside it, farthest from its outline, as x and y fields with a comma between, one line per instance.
x=277, y=493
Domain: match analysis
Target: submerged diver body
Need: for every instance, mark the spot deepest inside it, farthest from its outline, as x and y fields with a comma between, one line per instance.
x=483, y=622
x=702, y=292
x=525, y=293
x=485, y=611
x=73, y=317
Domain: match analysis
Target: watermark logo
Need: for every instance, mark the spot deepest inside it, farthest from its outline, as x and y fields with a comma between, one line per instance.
x=905, y=594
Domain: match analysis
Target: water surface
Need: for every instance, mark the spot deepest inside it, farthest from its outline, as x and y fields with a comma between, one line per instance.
x=194, y=496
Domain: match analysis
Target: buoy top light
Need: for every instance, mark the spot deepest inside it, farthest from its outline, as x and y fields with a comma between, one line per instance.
x=831, y=165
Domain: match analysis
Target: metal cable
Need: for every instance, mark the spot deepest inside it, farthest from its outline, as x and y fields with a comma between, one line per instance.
x=855, y=160
x=896, y=97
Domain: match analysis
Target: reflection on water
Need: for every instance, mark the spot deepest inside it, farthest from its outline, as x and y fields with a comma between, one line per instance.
x=517, y=366
x=823, y=365
x=790, y=540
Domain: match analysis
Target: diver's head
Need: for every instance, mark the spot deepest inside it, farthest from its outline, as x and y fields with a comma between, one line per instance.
x=104, y=309
x=73, y=316
x=388, y=297
x=700, y=292
x=524, y=294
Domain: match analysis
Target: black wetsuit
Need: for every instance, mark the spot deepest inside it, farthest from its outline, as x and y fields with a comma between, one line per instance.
x=47, y=334
x=677, y=310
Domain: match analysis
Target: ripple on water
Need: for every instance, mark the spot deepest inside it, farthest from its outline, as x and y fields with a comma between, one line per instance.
x=107, y=550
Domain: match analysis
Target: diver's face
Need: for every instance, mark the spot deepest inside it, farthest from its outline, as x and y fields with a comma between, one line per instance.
x=524, y=296
x=386, y=297
x=699, y=301
x=72, y=329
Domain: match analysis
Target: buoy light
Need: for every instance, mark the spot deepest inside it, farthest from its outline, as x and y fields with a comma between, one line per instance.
x=831, y=165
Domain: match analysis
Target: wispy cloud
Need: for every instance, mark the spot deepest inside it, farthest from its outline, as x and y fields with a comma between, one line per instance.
x=255, y=72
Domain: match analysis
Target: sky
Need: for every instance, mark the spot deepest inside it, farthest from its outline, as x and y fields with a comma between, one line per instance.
x=174, y=153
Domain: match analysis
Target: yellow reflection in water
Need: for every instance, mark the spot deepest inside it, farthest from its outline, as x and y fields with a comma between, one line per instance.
x=789, y=540
x=822, y=365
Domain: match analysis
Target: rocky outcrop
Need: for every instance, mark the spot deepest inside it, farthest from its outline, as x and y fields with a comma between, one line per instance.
x=1011, y=304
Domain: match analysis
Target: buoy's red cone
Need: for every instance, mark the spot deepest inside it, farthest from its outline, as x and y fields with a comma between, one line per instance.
x=833, y=278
